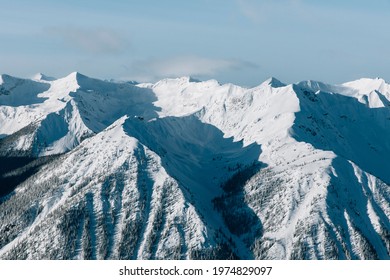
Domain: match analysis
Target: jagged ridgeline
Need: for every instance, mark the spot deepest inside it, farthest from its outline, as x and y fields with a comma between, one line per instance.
x=185, y=169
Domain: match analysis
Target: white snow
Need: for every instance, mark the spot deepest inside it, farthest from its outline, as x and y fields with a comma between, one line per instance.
x=184, y=137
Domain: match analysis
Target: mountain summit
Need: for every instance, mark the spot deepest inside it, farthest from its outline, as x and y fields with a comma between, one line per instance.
x=273, y=82
x=186, y=169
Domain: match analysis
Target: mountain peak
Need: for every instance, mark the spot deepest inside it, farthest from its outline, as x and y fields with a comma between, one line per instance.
x=179, y=80
x=314, y=85
x=367, y=85
x=7, y=79
x=76, y=75
x=188, y=79
x=273, y=82
x=193, y=80
x=43, y=77
x=76, y=78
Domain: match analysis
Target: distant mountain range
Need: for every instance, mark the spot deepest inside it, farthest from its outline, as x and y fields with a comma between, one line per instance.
x=187, y=169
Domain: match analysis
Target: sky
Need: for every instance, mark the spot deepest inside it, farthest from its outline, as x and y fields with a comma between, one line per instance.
x=238, y=41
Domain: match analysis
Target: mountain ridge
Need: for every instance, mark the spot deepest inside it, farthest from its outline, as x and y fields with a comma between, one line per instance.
x=184, y=169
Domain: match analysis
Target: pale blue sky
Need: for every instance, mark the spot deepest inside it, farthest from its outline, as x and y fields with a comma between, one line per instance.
x=238, y=41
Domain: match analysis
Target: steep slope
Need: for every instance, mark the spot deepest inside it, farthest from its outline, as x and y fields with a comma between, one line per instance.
x=342, y=124
x=108, y=198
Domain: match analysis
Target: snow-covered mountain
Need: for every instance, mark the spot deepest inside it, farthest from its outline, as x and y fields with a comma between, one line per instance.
x=185, y=169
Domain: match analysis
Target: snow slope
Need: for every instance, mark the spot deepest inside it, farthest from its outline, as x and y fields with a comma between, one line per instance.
x=191, y=169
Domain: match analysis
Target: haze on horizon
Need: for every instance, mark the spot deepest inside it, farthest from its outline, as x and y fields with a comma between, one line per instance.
x=238, y=41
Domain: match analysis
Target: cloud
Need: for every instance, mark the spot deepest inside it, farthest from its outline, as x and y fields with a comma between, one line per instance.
x=91, y=40
x=154, y=69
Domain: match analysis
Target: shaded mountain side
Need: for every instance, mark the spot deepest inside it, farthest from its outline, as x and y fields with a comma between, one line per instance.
x=15, y=170
x=347, y=127
x=206, y=165
x=20, y=143
x=21, y=92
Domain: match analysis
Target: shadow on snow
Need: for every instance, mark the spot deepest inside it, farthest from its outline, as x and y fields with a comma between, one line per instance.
x=212, y=171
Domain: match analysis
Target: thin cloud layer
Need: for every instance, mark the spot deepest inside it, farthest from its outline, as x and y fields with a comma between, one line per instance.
x=91, y=40
x=263, y=10
x=154, y=69
x=289, y=39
